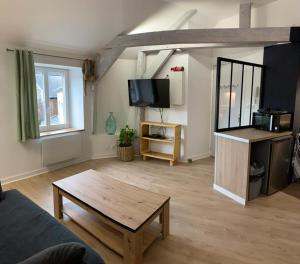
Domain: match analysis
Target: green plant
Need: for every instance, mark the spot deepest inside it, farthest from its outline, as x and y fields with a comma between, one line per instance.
x=127, y=136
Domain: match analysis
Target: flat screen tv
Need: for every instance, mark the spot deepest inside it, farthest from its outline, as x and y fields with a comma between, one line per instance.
x=149, y=92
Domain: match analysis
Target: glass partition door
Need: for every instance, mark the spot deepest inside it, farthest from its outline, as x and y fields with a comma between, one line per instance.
x=238, y=93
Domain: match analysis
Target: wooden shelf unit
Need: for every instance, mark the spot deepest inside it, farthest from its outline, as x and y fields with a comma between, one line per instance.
x=145, y=141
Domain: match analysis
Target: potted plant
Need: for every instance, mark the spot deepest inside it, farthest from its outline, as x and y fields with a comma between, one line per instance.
x=125, y=144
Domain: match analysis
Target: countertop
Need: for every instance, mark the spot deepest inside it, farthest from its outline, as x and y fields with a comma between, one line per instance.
x=249, y=135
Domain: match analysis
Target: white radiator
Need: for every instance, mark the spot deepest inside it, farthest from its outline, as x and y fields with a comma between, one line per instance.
x=61, y=148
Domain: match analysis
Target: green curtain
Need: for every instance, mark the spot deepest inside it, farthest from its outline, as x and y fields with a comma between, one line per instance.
x=28, y=126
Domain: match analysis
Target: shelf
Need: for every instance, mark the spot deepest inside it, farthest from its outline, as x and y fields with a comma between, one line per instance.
x=145, y=146
x=158, y=155
x=106, y=234
x=165, y=140
x=160, y=124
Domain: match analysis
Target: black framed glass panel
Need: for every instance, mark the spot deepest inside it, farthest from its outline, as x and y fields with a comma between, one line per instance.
x=238, y=93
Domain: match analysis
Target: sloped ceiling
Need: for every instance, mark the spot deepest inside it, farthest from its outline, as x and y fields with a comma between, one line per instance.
x=77, y=26
x=85, y=26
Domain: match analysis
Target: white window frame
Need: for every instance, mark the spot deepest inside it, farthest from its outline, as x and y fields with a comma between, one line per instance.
x=45, y=71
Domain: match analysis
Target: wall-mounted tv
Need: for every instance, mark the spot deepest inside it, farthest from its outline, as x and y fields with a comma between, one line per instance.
x=149, y=92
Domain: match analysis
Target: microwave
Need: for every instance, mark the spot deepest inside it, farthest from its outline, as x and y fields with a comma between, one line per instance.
x=273, y=121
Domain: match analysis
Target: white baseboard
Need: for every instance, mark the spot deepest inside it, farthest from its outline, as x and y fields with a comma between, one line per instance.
x=201, y=156
x=23, y=176
x=197, y=157
x=103, y=156
x=229, y=194
x=40, y=171
x=37, y=172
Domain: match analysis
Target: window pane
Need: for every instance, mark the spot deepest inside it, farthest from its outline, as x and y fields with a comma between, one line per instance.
x=237, y=75
x=256, y=90
x=56, y=83
x=246, y=103
x=40, y=87
x=225, y=76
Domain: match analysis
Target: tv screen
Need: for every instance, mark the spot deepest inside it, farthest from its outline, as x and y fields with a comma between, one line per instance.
x=149, y=92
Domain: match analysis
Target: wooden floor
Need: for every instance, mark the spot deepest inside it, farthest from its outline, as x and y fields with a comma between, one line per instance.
x=206, y=227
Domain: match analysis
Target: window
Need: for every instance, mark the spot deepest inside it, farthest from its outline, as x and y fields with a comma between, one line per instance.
x=52, y=95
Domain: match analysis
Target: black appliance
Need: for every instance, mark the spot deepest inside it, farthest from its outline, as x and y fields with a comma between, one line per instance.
x=280, y=153
x=149, y=92
x=275, y=121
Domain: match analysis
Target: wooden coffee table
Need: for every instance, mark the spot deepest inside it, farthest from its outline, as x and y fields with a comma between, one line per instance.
x=120, y=215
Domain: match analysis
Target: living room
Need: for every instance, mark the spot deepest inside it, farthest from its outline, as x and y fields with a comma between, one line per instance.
x=172, y=201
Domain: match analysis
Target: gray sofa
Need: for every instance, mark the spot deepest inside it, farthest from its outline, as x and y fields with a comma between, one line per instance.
x=26, y=229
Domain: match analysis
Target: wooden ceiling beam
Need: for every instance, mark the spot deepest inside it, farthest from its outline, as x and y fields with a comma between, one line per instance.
x=242, y=36
x=106, y=60
x=186, y=38
x=155, y=49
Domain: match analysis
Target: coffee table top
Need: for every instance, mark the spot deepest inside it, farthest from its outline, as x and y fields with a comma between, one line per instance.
x=125, y=204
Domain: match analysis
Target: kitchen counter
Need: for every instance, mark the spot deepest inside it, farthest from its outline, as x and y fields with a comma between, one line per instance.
x=249, y=135
x=233, y=158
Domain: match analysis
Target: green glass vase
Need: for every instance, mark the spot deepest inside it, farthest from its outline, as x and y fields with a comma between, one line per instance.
x=110, y=124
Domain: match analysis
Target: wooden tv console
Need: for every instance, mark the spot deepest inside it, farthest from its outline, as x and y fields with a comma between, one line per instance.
x=145, y=140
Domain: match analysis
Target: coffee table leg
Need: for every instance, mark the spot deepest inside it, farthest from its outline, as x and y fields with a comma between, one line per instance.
x=164, y=220
x=57, y=198
x=133, y=248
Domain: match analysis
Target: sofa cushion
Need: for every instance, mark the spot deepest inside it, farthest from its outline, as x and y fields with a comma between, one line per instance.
x=66, y=253
x=26, y=229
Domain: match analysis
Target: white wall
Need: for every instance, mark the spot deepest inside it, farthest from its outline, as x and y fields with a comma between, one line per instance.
x=175, y=114
x=279, y=13
x=15, y=157
x=199, y=104
x=112, y=96
x=254, y=55
x=23, y=159
x=18, y=159
x=195, y=113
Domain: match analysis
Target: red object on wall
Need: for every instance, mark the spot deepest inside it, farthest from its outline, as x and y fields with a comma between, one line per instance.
x=177, y=68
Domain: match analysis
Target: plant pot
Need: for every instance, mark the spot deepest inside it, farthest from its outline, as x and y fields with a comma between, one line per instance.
x=126, y=153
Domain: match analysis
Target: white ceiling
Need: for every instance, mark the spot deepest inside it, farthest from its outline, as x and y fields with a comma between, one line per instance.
x=85, y=26
x=77, y=26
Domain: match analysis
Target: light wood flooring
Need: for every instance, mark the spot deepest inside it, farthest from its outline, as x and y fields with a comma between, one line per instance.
x=206, y=227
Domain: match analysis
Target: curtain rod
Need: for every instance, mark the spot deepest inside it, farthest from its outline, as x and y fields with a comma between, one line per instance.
x=48, y=55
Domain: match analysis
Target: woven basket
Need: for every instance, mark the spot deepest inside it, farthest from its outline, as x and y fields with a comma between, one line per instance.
x=126, y=153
